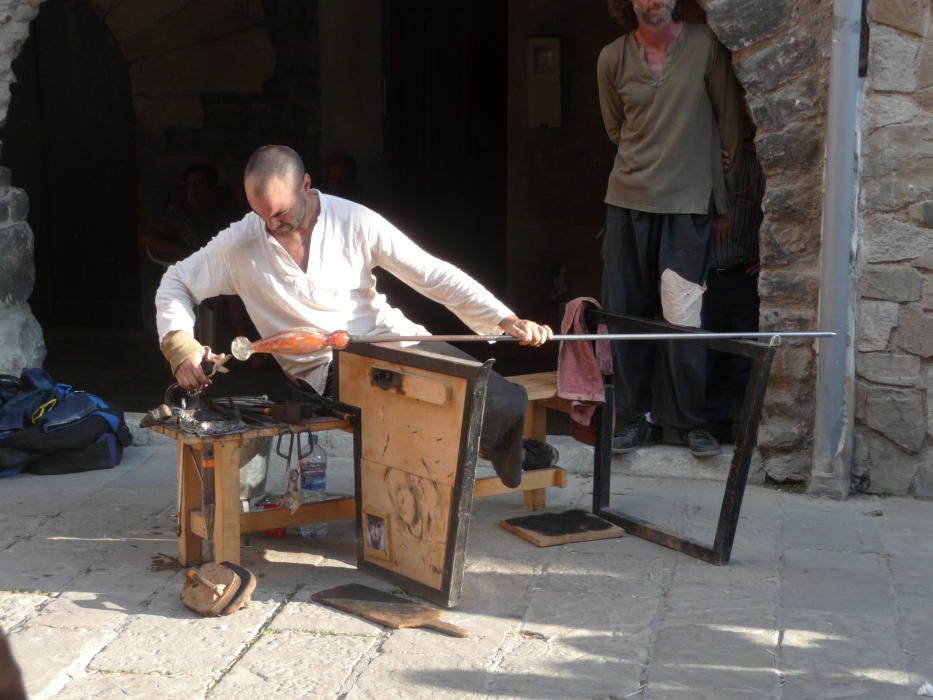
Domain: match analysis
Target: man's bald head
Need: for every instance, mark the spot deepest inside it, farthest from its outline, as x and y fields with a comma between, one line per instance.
x=268, y=162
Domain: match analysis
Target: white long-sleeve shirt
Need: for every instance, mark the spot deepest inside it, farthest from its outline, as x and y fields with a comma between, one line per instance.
x=338, y=290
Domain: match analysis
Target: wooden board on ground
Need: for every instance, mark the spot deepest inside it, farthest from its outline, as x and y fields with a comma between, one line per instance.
x=544, y=540
x=386, y=609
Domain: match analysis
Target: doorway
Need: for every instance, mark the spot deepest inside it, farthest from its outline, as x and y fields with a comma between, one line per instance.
x=446, y=92
x=69, y=142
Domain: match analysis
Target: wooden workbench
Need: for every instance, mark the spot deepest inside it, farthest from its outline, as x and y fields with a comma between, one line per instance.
x=218, y=458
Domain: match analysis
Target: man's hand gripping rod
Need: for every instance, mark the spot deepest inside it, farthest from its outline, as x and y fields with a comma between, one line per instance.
x=305, y=341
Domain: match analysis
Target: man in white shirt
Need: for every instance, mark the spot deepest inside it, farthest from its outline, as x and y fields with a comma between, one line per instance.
x=304, y=258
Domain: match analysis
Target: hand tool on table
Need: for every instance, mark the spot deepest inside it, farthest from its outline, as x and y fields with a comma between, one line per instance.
x=305, y=341
x=386, y=609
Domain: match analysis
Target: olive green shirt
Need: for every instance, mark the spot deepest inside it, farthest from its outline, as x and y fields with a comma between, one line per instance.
x=671, y=130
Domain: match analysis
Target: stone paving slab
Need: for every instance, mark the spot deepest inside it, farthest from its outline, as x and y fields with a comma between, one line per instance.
x=822, y=599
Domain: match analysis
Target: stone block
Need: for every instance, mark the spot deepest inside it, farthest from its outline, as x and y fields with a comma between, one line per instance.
x=921, y=213
x=788, y=466
x=4, y=209
x=787, y=318
x=19, y=204
x=17, y=270
x=741, y=23
x=780, y=286
x=892, y=60
x=798, y=145
x=887, y=239
x=891, y=283
x=794, y=199
x=929, y=387
x=765, y=69
x=191, y=25
x=906, y=15
x=21, y=343
x=925, y=63
x=794, y=363
x=861, y=397
x=889, y=368
x=898, y=414
x=876, y=321
x=923, y=482
x=897, y=166
x=168, y=111
x=237, y=64
x=926, y=299
x=786, y=242
x=801, y=100
x=132, y=16
x=925, y=262
x=915, y=331
x=780, y=432
x=882, y=109
x=891, y=470
x=924, y=97
x=6, y=176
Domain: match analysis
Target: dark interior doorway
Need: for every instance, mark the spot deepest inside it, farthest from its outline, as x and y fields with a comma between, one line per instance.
x=69, y=141
x=445, y=136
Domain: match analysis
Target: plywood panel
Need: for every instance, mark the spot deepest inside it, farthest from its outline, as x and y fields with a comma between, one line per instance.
x=417, y=511
x=418, y=436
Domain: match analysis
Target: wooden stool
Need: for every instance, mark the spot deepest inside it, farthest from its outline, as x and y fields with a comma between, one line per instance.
x=542, y=395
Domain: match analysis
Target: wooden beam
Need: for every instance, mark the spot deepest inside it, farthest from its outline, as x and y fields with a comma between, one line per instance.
x=226, y=537
x=531, y=480
x=335, y=509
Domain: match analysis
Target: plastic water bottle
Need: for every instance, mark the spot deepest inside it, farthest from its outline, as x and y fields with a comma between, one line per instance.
x=313, y=469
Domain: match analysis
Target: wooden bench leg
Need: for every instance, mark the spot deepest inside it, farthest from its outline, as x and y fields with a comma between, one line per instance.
x=189, y=495
x=227, y=501
x=535, y=427
x=534, y=499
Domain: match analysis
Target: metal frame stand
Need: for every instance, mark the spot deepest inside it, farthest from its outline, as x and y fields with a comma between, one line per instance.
x=761, y=355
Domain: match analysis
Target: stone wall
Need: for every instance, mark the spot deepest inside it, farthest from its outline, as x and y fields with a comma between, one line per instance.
x=781, y=56
x=894, y=386
x=21, y=342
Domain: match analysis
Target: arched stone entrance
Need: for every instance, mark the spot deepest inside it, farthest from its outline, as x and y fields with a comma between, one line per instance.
x=781, y=56
x=69, y=139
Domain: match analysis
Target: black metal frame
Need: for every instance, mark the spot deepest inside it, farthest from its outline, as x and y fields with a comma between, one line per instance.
x=762, y=356
x=461, y=506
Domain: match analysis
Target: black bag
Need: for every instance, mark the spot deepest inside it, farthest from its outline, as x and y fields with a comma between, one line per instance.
x=47, y=428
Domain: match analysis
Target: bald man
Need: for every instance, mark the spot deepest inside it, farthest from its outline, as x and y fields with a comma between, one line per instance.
x=305, y=258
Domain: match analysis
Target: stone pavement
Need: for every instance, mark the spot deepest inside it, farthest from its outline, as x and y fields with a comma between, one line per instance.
x=822, y=599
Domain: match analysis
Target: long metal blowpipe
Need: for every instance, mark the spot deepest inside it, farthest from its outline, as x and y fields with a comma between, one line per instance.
x=586, y=336
x=305, y=341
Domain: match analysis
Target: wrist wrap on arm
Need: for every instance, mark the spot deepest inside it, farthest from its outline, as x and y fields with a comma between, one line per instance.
x=177, y=345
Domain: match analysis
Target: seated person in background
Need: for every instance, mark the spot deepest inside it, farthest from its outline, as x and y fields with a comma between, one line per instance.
x=340, y=177
x=731, y=302
x=192, y=222
x=304, y=258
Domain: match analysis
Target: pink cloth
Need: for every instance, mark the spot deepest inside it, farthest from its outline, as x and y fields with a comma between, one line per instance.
x=579, y=370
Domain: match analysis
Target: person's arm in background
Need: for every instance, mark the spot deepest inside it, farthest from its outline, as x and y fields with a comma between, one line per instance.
x=726, y=99
x=610, y=104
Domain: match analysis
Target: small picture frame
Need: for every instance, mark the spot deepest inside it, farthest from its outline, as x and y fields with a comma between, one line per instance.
x=376, y=542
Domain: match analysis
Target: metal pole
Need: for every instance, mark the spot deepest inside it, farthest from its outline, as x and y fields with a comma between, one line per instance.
x=588, y=336
x=832, y=428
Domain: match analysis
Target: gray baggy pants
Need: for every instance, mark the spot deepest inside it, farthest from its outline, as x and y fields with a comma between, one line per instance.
x=655, y=265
